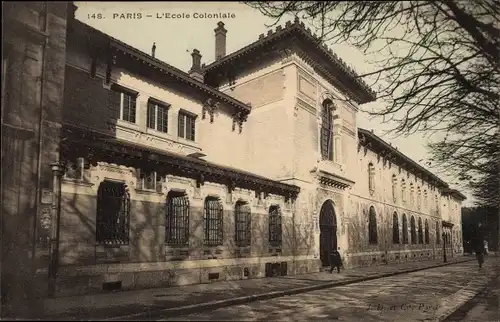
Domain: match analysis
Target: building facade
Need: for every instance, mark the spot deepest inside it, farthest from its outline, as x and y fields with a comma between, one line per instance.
x=251, y=166
x=33, y=59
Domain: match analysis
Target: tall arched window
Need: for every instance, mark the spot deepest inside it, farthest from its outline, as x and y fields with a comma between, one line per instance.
x=213, y=222
x=411, y=198
x=438, y=233
x=420, y=232
x=242, y=223
x=403, y=190
x=177, y=218
x=372, y=226
x=405, y=229
x=394, y=187
x=413, y=230
x=327, y=130
x=395, y=228
x=426, y=232
x=371, y=178
x=275, y=230
x=419, y=198
x=425, y=198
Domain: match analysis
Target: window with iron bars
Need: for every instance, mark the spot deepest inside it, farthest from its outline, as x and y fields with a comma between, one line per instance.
x=326, y=131
x=242, y=222
x=177, y=219
x=213, y=222
x=113, y=214
x=275, y=229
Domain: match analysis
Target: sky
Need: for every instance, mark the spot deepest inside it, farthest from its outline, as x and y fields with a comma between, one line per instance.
x=179, y=27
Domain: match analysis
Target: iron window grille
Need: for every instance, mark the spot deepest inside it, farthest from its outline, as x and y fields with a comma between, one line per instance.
x=413, y=230
x=177, y=219
x=395, y=228
x=275, y=229
x=157, y=116
x=405, y=229
x=426, y=231
x=213, y=222
x=372, y=226
x=326, y=131
x=242, y=222
x=186, y=126
x=149, y=180
x=420, y=232
x=113, y=214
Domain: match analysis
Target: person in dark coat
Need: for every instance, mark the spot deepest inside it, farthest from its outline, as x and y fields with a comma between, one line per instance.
x=335, y=260
x=480, y=254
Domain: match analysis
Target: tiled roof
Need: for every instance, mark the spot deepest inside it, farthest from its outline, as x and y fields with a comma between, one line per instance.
x=170, y=70
x=366, y=94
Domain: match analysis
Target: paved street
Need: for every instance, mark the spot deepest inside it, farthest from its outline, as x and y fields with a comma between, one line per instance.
x=419, y=296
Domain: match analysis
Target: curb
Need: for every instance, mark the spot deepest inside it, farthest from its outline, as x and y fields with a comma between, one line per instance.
x=195, y=308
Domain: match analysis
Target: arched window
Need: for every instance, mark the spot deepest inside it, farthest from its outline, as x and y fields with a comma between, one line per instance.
x=420, y=232
x=242, y=222
x=394, y=187
x=438, y=233
x=213, y=222
x=413, y=230
x=327, y=130
x=425, y=198
x=113, y=214
x=405, y=229
x=177, y=218
x=372, y=226
x=395, y=228
x=411, y=198
x=419, y=198
x=426, y=232
x=275, y=230
x=403, y=190
x=371, y=178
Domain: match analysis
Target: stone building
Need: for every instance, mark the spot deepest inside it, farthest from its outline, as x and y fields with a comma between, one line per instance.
x=33, y=59
x=248, y=167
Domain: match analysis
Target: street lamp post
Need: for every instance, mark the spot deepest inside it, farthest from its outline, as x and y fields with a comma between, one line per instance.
x=444, y=247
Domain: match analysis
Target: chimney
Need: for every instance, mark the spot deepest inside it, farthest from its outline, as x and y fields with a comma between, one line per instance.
x=196, y=72
x=153, y=49
x=220, y=41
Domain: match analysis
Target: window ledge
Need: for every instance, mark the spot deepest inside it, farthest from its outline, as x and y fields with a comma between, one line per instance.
x=148, y=192
x=77, y=182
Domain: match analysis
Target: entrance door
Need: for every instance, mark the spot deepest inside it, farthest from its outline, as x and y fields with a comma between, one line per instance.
x=328, y=232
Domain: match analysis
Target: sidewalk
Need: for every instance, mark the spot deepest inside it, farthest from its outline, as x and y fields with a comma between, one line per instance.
x=145, y=304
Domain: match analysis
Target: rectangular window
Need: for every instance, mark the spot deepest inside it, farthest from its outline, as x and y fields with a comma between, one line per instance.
x=177, y=219
x=113, y=214
x=149, y=180
x=74, y=169
x=157, y=116
x=186, y=126
x=242, y=224
x=127, y=104
x=213, y=222
x=275, y=226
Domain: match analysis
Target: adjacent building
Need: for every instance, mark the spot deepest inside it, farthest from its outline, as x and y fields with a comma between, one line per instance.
x=250, y=166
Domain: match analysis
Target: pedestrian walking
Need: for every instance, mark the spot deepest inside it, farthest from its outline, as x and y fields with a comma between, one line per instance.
x=480, y=254
x=335, y=260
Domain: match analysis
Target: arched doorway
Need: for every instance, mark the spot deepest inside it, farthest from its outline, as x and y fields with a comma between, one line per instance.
x=328, y=231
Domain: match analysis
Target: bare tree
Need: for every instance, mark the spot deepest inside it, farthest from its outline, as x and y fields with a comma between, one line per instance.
x=439, y=70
